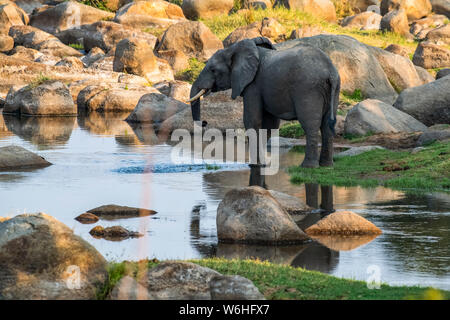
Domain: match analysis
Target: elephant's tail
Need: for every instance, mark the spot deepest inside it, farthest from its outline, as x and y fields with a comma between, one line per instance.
x=334, y=101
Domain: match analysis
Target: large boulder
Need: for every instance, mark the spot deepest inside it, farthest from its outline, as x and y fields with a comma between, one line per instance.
x=400, y=71
x=373, y=116
x=155, y=108
x=178, y=90
x=428, y=103
x=23, y=53
x=47, y=44
x=421, y=28
x=117, y=97
x=11, y=15
x=196, y=9
x=430, y=56
x=320, y=8
x=41, y=258
x=28, y=5
x=149, y=14
x=43, y=98
x=442, y=73
x=424, y=75
x=15, y=157
x=268, y=27
x=440, y=35
x=233, y=288
x=104, y=35
x=6, y=43
x=358, y=67
x=441, y=7
x=439, y=132
x=218, y=109
x=414, y=9
x=359, y=6
x=252, y=215
x=67, y=15
x=193, y=38
x=396, y=21
x=135, y=56
x=344, y=223
x=364, y=21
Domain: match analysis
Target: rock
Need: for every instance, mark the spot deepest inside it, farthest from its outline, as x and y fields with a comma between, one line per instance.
x=218, y=109
x=6, y=43
x=394, y=141
x=129, y=289
x=178, y=90
x=427, y=103
x=319, y=8
x=344, y=243
x=193, y=38
x=268, y=27
x=43, y=98
x=252, y=215
x=11, y=15
x=104, y=35
x=439, y=35
x=442, y=73
x=67, y=15
x=292, y=205
x=396, y=21
x=440, y=132
x=112, y=212
x=94, y=55
x=196, y=9
x=177, y=59
x=116, y=97
x=15, y=157
x=400, y=71
x=47, y=44
x=305, y=31
x=358, y=68
x=155, y=108
x=414, y=9
x=365, y=21
x=72, y=62
x=431, y=56
x=257, y=4
x=115, y=5
x=22, y=53
x=233, y=288
x=420, y=28
x=87, y=218
x=424, y=75
x=345, y=223
x=136, y=57
x=41, y=259
x=441, y=7
x=363, y=5
x=357, y=151
x=145, y=14
x=29, y=5
x=115, y=233
x=397, y=49
x=178, y=281
x=374, y=116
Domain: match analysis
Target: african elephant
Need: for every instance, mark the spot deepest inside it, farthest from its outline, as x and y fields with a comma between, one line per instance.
x=298, y=83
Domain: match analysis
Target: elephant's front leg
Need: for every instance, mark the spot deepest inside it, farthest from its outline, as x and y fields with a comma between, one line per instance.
x=253, y=120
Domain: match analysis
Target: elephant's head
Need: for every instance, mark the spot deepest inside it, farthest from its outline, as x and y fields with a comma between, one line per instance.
x=234, y=67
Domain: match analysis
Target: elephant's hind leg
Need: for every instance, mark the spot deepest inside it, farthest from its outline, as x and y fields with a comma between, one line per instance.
x=326, y=152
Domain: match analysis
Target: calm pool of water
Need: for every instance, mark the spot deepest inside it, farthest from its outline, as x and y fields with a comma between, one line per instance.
x=100, y=160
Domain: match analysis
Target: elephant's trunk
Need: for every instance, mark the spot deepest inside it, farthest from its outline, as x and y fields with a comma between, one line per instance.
x=196, y=93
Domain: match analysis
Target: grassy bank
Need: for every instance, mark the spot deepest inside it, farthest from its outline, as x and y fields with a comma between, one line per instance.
x=428, y=169
x=285, y=282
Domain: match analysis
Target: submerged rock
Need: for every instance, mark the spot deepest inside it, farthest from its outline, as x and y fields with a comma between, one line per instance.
x=112, y=212
x=15, y=157
x=344, y=223
x=115, y=233
x=87, y=218
x=252, y=215
x=41, y=258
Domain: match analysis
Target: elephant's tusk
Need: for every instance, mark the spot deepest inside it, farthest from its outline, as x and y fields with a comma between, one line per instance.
x=197, y=96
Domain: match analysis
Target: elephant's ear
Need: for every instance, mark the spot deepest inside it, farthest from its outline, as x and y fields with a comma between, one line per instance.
x=245, y=62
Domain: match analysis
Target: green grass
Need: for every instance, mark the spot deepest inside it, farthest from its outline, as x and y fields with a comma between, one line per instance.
x=99, y=4
x=190, y=74
x=38, y=81
x=291, y=130
x=285, y=282
x=428, y=169
x=76, y=46
x=212, y=167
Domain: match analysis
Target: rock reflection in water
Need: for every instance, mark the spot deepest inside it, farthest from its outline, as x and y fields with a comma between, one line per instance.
x=44, y=132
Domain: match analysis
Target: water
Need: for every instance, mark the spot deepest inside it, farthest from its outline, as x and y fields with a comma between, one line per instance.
x=101, y=160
